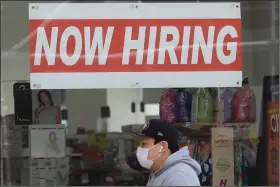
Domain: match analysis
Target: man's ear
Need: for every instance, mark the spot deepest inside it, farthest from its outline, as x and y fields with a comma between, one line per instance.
x=164, y=145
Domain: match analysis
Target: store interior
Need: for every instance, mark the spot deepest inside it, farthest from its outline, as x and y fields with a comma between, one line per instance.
x=92, y=124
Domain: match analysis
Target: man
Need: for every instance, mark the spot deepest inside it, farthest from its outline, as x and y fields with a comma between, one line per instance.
x=159, y=152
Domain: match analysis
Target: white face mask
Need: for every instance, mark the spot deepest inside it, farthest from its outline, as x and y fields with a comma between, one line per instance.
x=142, y=156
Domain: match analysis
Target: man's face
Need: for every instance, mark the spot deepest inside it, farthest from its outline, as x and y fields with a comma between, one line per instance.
x=147, y=142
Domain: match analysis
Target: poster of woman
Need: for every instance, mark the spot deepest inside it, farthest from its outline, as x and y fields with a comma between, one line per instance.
x=46, y=106
x=52, y=149
x=47, y=141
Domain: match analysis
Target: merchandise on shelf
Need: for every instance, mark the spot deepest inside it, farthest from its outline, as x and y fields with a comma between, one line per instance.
x=244, y=104
x=204, y=158
x=244, y=159
x=191, y=144
x=226, y=97
x=181, y=112
x=167, y=106
x=238, y=165
x=206, y=171
x=202, y=106
x=183, y=105
x=204, y=151
x=188, y=97
x=201, y=152
x=245, y=156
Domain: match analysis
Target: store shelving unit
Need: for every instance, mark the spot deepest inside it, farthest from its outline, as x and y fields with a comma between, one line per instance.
x=205, y=130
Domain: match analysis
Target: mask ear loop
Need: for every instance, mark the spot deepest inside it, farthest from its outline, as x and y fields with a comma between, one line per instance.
x=159, y=153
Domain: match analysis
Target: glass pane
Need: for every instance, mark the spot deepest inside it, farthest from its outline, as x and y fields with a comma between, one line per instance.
x=99, y=151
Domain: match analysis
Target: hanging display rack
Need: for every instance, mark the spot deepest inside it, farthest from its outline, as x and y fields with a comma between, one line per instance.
x=201, y=131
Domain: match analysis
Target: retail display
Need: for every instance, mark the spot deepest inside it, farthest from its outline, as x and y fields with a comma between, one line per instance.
x=113, y=154
x=244, y=104
x=181, y=110
x=167, y=106
x=245, y=156
x=30, y=165
x=206, y=170
x=222, y=156
x=47, y=141
x=109, y=154
x=226, y=97
x=183, y=103
x=235, y=153
x=185, y=141
x=203, y=106
x=200, y=150
x=223, y=162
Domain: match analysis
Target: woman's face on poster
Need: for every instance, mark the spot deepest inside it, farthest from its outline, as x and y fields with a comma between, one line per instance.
x=44, y=98
x=52, y=138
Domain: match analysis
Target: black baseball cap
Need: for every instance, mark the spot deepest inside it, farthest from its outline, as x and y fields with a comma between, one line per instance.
x=161, y=130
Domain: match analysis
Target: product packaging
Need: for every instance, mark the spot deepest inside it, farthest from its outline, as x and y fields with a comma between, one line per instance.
x=226, y=97
x=244, y=104
x=183, y=103
x=167, y=106
x=202, y=106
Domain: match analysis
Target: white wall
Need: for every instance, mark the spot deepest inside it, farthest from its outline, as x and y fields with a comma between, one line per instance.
x=84, y=107
x=120, y=101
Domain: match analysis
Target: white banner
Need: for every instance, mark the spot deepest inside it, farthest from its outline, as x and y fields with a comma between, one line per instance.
x=124, y=45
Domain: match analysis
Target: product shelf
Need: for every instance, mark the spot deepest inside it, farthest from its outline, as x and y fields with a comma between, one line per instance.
x=195, y=124
x=212, y=124
x=202, y=130
x=238, y=124
x=195, y=132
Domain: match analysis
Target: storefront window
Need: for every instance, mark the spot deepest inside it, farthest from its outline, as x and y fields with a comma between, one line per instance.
x=77, y=78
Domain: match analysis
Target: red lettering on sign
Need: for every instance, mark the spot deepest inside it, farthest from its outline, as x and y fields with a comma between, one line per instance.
x=223, y=182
